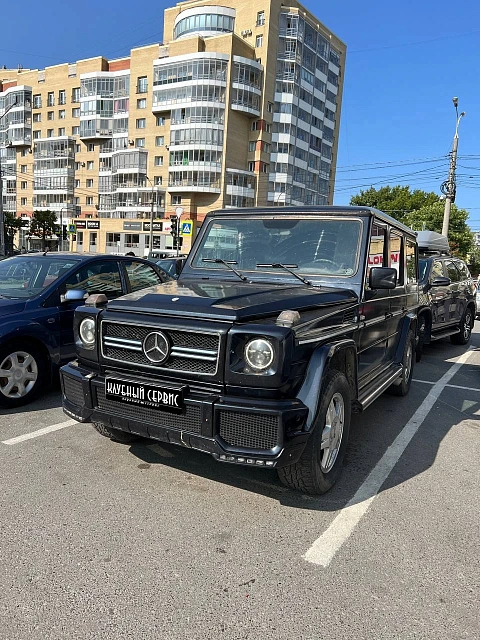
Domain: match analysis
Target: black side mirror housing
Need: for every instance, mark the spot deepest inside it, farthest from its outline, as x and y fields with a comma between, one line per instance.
x=440, y=281
x=382, y=278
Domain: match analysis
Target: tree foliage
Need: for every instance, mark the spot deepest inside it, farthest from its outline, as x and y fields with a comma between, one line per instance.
x=430, y=217
x=397, y=201
x=43, y=225
x=11, y=225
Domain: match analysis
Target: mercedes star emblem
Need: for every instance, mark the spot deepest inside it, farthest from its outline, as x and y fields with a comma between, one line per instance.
x=156, y=347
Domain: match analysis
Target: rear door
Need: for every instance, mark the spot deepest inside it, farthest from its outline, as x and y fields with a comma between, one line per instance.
x=398, y=296
x=440, y=297
x=457, y=297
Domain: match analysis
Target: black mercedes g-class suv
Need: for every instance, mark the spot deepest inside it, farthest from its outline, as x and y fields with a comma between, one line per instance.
x=282, y=322
x=447, y=293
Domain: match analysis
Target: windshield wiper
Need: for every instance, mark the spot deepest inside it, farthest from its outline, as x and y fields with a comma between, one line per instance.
x=289, y=268
x=227, y=264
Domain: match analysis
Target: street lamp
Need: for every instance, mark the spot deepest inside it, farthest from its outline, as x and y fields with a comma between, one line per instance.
x=449, y=187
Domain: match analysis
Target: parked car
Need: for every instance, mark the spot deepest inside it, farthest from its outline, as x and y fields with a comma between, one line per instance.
x=447, y=293
x=172, y=266
x=38, y=296
x=282, y=322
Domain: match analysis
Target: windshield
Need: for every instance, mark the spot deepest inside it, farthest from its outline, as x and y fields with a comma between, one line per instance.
x=316, y=246
x=27, y=277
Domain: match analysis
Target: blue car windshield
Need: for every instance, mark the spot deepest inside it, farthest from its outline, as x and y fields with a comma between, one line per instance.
x=26, y=277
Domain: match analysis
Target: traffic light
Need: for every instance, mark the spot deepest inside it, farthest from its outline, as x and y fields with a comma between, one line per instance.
x=177, y=242
x=175, y=227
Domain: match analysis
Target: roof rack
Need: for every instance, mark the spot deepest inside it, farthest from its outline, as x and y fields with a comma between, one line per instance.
x=432, y=243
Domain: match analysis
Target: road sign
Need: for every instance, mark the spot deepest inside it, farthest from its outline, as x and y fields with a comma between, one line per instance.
x=72, y=228
x=186, y=228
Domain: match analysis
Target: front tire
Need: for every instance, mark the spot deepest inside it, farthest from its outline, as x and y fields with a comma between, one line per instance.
x=123, y=437
x=23, y=371
x=320, y=464
x=402, y=386
x=466, y=324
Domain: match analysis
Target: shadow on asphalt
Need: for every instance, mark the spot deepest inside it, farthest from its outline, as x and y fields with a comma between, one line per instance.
x=370, y=436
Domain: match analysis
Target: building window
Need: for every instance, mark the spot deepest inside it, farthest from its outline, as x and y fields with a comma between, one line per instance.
x=252, y=145
x=62, y=96
x=176, y=199
x=141, y=123
x=260, y=18
x=24, y=153
x=23, y=202
x=37, y=117
x=49, y=133
x=140, y=142
x=23, y=185
x=61, y=114
x=50, y=115
x=160, y=121
x=142, y=84
x=251, y=166
x=37, y=101
x=90, y=165
x=91, y=146
x=76, y=112
x=77, y=184
x=61, y=131
x=90, y=183
x=157, y=181
x=142, y=103
x=265, y=167
x=159, y=161
x=259, y=41
x=268, y=127
x=50, y=99
x=23, y=168
x=76, y=94
x=75, y=131
x=259, y=60
x=159, y=141
x=36, y=135
x=77, y=148
x=270, y=107
x=89, y=200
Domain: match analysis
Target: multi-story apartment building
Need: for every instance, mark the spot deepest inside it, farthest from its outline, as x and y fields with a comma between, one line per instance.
x=240, y=106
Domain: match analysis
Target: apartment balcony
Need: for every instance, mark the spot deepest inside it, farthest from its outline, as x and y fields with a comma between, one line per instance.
x=95, y=134
x=186, y=186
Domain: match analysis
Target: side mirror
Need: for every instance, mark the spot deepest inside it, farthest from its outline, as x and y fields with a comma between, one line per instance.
x=440, y=281
x=73, y=295
x=382, y=278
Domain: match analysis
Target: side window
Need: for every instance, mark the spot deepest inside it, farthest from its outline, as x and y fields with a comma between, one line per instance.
x=376, y=252
x=396, y=256
x=141, y=275
x=410, y=261
x=462, y=267
x=452, y=271
x=437, y=270
x=97, y=277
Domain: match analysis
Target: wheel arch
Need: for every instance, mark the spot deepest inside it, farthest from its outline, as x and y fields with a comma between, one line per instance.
x=27, y=340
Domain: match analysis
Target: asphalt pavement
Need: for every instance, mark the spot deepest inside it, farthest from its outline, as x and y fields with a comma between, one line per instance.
x=102, y=540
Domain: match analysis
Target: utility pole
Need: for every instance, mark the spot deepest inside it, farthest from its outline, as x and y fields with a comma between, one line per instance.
x=449, y=187
x=2, y=214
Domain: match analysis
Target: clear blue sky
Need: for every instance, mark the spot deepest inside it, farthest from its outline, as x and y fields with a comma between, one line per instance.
x=405, y=62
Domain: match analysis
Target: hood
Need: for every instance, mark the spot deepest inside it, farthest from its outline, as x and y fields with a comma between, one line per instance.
x=9, y=306
x=232, y=301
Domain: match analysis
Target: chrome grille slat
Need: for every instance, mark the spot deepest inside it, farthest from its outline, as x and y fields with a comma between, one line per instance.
x=191, y=351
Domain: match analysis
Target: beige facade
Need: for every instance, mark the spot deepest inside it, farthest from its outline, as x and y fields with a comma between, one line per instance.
x=240, y=106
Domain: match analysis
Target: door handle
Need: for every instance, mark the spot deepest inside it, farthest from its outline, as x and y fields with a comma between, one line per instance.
x=388, y=315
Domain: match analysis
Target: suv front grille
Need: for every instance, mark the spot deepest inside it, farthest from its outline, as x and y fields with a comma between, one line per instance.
x=248, y=430
x=190, y=351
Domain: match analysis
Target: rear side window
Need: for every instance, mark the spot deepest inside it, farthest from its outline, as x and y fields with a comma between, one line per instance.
x=396, y=255
x=462, y=267
x=376, y=252
x=141, y=275
x=410, y=261
x=452, y=271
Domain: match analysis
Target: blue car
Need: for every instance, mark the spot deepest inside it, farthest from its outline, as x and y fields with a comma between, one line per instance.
x=38, y=296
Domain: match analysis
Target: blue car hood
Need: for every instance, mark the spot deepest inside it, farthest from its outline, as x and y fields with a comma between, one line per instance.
x=8, y=306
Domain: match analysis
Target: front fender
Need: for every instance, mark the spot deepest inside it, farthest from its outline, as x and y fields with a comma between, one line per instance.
x=320, y=362
x=409, y=322
x=16, y=329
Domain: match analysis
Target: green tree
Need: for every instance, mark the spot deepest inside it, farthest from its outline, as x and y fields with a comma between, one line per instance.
x=11, y=225
x=430, y=217
x=397, y=201
x=43, y=225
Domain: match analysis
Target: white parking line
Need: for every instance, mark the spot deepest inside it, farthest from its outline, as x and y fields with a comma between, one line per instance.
x=326, y=546
x=450, y=386
x=40, y=432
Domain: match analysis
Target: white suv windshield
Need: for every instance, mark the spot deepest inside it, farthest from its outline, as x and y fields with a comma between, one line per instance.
x=316, y=246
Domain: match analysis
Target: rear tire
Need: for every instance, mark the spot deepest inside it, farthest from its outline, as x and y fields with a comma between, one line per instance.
x=123, y=437
x=465, y=333
x=402, y=386
x=320, y=464
x=23, y=373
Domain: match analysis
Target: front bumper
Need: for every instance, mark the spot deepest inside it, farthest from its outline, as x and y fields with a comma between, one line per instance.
x=264, y=433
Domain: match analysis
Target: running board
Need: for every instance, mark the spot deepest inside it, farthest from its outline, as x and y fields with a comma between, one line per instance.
x=374, y=389
x=444, y=334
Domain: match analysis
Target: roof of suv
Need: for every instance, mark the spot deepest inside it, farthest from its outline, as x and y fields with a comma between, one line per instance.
x=327, y=210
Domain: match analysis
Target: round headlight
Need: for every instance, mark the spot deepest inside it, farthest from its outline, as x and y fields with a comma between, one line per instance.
x=259, y=354
x=87, y=332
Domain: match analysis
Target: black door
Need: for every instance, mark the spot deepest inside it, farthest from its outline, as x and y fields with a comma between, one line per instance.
x=440, y=297
x=457, y=296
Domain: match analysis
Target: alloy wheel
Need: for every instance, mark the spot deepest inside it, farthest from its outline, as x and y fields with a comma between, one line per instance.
x=18, y=374
x=332, y=432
